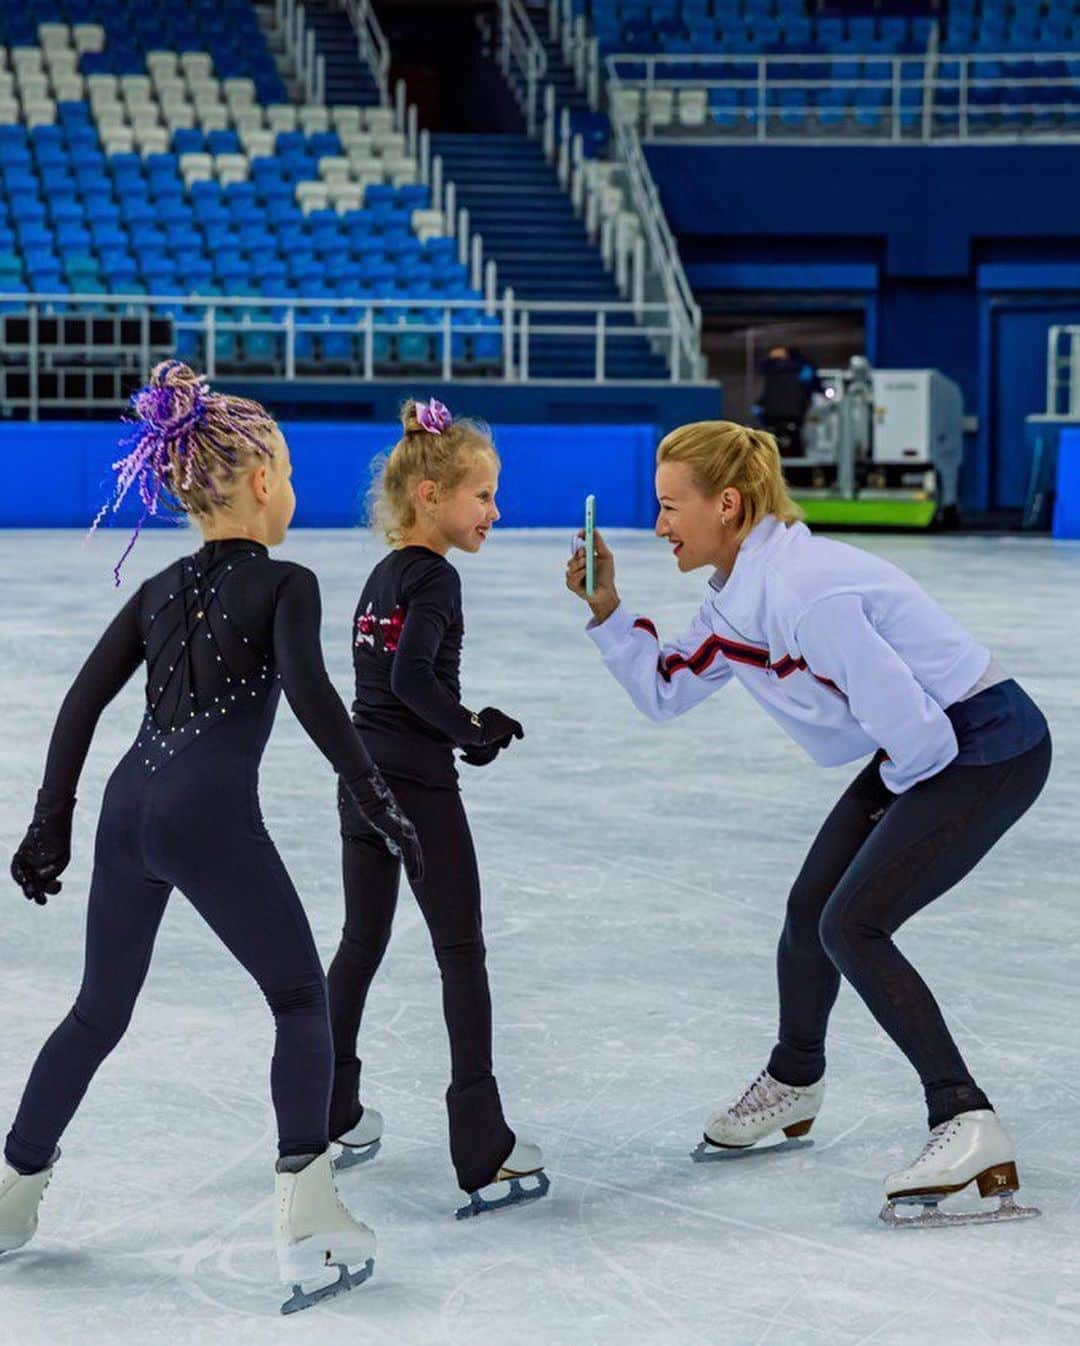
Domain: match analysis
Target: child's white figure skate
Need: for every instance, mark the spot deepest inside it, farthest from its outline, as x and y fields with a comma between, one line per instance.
x=321, y=1250
x=521, y=1178
x=362, y=1143
x=765, y=1107
x=972, y=1147
x=20, y=1197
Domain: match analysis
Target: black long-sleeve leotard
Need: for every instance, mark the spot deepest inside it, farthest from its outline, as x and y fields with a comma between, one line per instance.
x=210, y=628
x=407, y=636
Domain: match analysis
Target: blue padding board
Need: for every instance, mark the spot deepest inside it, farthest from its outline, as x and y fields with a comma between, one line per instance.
x=1067, y=499
x=57, y=474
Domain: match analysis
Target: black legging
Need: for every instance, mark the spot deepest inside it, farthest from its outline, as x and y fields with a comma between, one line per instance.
x=449, y=897
x=194, y=825
x=878, y=859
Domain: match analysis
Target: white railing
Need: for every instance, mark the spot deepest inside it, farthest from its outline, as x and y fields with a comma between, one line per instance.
x=291, y=23
x=372, y=43
x=663, y=258
x=580, y=51
x=971, y=97
x=619, y=201
x=509, y=327
x=522, y=58
x=1063, y=372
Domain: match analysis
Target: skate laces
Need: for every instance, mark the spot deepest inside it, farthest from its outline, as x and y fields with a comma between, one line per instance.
x=763, y=1093
x=933, y=1141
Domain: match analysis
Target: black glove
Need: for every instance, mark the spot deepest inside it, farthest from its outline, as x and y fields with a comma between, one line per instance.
x=480, y=756
x=45, y=850
x=496, y=729
x=376, y=802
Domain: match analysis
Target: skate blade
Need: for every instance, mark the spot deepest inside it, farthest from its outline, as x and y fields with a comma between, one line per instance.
x=933, y=1218
x=480, y=1205
x=352, y=1156
x=708, y=1152
x=347, y=1280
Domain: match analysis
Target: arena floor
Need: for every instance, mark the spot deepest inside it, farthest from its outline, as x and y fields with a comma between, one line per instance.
x=635, y=878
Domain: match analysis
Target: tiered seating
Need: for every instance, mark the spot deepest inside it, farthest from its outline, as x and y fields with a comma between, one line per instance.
x=1011, y=25
x=175, y=180
x=759, y=26
x=844, y=83
x=227, y=29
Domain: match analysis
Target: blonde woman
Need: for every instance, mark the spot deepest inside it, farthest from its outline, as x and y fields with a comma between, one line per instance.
x=219, y=634
x=436, y=494
x=851, y=657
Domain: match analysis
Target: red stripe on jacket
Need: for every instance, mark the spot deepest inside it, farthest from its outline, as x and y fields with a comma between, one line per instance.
x=733, y=650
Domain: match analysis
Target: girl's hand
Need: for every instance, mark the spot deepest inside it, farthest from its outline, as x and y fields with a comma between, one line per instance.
x=604, y=599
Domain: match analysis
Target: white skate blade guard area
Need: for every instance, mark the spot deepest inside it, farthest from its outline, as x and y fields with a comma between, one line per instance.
x=634, y=879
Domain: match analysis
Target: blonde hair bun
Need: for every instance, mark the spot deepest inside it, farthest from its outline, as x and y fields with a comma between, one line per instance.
x=410, y=418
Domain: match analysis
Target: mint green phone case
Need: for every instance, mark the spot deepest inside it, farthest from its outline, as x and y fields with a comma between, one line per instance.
x=590, y=555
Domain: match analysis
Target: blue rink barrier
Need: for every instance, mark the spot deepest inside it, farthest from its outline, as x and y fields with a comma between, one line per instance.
x=1067, y=499
x=57, y=474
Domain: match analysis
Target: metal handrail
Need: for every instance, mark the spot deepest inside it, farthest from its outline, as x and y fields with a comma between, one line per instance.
x=291, y=22
x=374, y=48
x=945, y=92
x=522, y=321
x=663, y=251
x=521, y=55
x=1063, y=372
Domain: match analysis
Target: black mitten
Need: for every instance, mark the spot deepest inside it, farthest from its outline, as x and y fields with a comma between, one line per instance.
x=376, y=802
x=45, y=851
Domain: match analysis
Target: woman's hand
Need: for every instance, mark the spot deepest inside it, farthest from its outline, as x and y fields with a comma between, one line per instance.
x=604, y=599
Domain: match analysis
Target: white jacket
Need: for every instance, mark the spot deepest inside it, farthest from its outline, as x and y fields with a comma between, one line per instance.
x=843, y=650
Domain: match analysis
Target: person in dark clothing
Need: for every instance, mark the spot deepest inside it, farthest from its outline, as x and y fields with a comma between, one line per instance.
x=789, y=382
x=221, y=633
x=436, y=492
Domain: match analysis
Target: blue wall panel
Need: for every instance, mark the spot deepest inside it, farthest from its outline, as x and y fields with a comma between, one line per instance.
x=58, y=474
x=928, y=203
x=1067, y=503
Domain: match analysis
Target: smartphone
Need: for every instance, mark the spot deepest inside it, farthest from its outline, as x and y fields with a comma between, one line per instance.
x=590, y=545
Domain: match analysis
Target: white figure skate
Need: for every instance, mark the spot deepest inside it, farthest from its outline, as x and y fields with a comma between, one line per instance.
x=362, y=1143
x=765, y=1107
x=316, y=1237
x=507, y=1188
x=20, y=1197
x=972, y=1147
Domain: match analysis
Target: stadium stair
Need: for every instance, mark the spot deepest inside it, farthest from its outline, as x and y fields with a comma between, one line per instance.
x=541, y=248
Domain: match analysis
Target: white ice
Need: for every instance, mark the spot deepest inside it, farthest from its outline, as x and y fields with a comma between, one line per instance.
x=634, y=881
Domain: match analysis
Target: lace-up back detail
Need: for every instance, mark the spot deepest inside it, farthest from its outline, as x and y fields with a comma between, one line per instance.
x=199, y=648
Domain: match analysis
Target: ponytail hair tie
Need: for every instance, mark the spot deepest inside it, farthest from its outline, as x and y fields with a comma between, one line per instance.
x=434, y=416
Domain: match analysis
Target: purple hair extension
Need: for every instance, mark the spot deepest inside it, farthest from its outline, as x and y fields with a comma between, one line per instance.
x=163, y=457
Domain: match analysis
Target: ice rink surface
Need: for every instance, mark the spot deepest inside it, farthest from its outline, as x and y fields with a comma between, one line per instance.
x=635, y=878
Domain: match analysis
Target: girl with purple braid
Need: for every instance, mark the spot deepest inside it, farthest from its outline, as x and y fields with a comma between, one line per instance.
x=220, y=633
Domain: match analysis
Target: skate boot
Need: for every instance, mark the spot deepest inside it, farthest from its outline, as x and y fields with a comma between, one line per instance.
x=361, y=1143
x=972, y=1147
x=321, y=1250
x=766, y=1107
x=20, y=1197
x=525, y=1161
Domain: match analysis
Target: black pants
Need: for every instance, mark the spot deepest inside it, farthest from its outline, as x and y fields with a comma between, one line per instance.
x=194, y=825
x=449, y=897
x=878, y=859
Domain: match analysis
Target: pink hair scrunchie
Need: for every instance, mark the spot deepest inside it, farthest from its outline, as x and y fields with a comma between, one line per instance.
x=433, y=416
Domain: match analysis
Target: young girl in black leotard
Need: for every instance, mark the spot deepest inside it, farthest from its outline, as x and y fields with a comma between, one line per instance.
x=220, y=633
x=437, y=492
